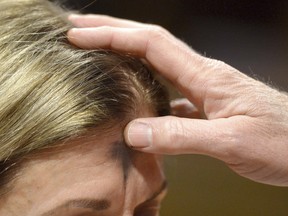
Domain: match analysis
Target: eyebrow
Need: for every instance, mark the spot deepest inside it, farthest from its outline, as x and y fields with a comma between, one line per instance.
x=98, y=205
x=93, y=204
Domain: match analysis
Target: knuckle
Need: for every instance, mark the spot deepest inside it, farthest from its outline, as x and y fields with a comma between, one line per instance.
x=156, y=31
x=234, y=146
x=156, y=28
x=176, y=131
x=154, y=34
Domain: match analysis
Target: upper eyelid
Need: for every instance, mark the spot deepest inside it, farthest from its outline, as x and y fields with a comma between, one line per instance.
x=163, y=194
x=160, y=196
x=157, y=198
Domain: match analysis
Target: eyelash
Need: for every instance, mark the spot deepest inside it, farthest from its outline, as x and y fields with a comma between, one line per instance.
x=152, y=207
x=148, y=213
x=149, y=209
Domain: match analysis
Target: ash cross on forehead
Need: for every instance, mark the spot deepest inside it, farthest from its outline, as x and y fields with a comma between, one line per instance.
x=121, y=152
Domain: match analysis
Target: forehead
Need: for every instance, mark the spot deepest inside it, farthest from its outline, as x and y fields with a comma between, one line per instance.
x=94, y=166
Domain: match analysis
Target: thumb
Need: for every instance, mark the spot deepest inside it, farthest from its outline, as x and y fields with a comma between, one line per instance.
x=173, y=135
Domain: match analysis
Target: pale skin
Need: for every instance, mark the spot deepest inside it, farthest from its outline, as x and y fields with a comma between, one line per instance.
x=88, y=170
x=246, y=121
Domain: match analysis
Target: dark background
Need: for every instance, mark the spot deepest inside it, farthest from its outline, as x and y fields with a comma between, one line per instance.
x=249, y=35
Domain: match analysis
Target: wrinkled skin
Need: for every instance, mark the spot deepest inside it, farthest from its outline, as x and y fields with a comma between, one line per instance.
x=90, y=168
x=246, y=123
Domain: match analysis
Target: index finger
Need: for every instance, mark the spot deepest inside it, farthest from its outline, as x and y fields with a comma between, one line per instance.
x=190, y=72
x=168, y=55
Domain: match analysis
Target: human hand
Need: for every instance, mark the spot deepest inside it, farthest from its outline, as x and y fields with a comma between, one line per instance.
x=247, y=121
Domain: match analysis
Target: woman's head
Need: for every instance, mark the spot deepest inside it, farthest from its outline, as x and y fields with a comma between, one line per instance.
x=60, y=104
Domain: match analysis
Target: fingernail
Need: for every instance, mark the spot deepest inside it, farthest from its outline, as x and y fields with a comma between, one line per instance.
x=139, y=135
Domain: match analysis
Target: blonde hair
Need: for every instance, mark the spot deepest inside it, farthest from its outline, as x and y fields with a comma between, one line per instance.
x=51, y=90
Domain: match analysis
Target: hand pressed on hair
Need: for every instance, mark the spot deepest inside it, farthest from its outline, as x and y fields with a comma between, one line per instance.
x=247, y=121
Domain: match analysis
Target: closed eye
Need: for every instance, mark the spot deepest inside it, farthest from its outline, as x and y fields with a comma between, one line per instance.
x=151, y=207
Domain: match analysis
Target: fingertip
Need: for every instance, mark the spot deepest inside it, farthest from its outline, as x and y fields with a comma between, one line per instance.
x=81, y=21
x=138, y=135
x=73, y=16
x=78, y=33
x=72, y=34
x=126, y=135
